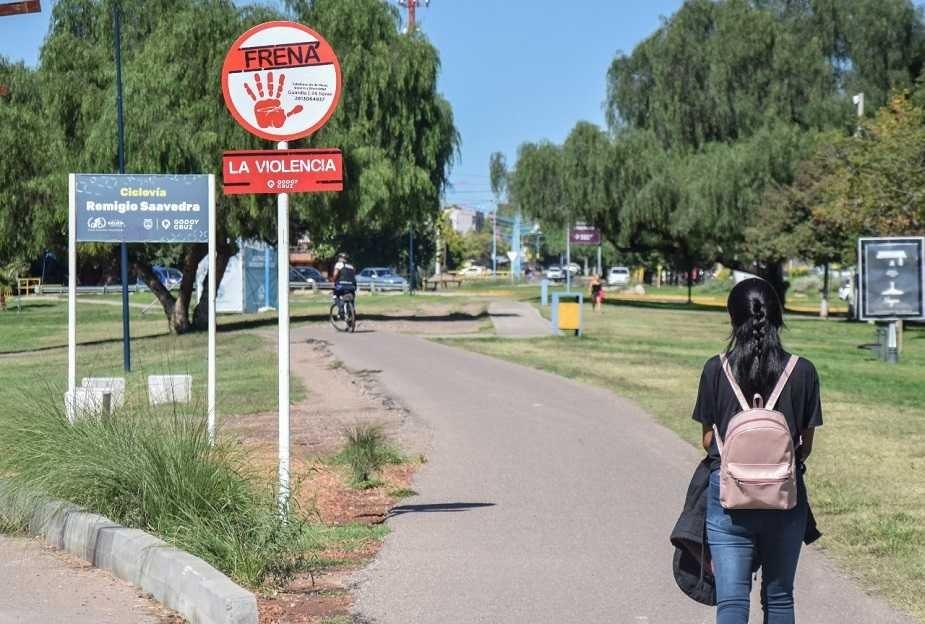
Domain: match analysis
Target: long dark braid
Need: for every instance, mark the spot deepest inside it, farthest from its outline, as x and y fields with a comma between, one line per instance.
x=755, y=352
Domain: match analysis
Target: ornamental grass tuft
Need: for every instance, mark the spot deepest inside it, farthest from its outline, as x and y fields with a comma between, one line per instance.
x=154, y=469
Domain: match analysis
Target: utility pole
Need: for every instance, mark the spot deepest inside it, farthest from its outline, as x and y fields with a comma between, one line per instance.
x=412, y=6
x=494, y=240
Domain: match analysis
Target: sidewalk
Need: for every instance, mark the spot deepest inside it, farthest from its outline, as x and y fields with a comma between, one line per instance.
x=516, y=319
x=43, y=586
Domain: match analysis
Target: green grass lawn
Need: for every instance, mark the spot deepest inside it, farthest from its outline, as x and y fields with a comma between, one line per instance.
x=867, y=472
x=33, y=355
x=33, y=341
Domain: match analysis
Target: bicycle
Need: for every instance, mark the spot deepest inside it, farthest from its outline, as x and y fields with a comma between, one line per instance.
x=344, y=314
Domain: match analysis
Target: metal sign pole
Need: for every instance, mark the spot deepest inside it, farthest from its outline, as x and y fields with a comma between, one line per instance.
x=568, y=257
x=71, y=296
x=282, y=279
x=211, y=304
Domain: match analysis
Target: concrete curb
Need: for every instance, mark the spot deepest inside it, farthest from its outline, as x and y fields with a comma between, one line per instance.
x=176, y=579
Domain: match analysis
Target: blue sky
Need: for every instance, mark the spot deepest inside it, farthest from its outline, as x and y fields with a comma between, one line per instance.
x=514, y=71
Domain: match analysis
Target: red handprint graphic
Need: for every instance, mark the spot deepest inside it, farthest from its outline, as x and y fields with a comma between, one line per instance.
x=268, y=109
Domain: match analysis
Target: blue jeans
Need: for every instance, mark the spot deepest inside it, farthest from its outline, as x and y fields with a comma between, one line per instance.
x=739, y=538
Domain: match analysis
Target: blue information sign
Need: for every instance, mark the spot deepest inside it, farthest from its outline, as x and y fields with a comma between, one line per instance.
x=142, y=208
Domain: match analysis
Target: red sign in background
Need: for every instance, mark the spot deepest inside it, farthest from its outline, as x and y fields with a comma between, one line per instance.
x=18, y=8
x=282, y=171
x=582, y=234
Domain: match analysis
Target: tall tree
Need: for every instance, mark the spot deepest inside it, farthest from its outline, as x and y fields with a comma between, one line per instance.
x=396, y=131
x=740, y=82
x=498, y=175
x=536, y=184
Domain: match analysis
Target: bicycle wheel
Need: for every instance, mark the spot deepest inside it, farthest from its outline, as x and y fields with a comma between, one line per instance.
x=339, y=322
x=350, y=314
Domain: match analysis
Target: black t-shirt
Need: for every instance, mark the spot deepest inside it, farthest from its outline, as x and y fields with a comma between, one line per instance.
x=717, y=403
x=346, y=274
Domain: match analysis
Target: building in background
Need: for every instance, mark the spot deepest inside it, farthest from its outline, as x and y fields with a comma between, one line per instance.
x=465, y=220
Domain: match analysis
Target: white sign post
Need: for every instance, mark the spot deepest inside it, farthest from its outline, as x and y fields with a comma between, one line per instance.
x=281, y=81
x=143, y=221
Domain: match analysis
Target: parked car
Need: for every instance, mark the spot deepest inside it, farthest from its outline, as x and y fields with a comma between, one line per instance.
x=574, y=268
x=555, y=273
x=846, y=290
x=473, y=271
x=618, y=276
x=380, y=276
x=169, y=277
x=306, y=274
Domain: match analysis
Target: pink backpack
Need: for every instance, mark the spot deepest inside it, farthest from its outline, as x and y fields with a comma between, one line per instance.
x=758, y=462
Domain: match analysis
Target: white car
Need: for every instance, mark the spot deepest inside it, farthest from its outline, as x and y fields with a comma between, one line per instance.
x=555, y=273
x=574, y=268
x=846, y=290
x=618, y=276
x=473, y=271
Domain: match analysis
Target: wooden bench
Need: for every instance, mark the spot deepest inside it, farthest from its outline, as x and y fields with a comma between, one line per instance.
x=432, y=283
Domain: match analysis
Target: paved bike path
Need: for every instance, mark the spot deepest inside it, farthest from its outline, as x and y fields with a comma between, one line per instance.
x=516, y=319
x=543, y=501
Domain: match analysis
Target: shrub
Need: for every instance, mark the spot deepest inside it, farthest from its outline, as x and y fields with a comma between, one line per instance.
x=366, y=451
x=156, y=471
x=806, y=284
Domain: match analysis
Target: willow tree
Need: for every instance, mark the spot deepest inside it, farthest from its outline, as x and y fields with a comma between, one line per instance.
x=31, y=151
x=395, y=130
x=737, y=80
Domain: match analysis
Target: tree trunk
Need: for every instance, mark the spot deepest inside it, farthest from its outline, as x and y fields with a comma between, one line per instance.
x=690, y=285
x=824, y=302
x=773, y=272
x=176, y=308
x=154, y=284
x=201, y=312
x=180, y=319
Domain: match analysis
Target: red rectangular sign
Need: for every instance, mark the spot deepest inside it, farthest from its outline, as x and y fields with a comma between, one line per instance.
x=582, y=234
x=282, y=171
x=18, y=8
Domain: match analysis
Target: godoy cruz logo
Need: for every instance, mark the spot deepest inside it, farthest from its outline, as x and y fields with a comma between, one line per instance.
x=96, y=223
x=268, y=109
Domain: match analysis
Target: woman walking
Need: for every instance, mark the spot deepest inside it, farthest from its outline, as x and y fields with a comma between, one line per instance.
x=756, y=520
x=597, y=293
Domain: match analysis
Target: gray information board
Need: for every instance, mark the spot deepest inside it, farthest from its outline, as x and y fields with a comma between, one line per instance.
x=142, y=208
x=892, y=278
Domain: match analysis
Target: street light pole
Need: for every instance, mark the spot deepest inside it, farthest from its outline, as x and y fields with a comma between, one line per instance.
x=123, y=248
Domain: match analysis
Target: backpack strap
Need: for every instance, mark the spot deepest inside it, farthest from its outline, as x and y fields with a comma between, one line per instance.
x=732, y=382
x=738, y=392
x=784, y=376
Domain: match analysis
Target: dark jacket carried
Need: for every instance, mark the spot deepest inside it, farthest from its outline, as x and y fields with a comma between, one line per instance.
x=692, y=570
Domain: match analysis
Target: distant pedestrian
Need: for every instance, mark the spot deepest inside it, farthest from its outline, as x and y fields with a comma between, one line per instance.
x=597, y=293
x=748, y=522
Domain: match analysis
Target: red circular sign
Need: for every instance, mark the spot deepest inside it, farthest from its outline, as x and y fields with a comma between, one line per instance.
x=281, y=81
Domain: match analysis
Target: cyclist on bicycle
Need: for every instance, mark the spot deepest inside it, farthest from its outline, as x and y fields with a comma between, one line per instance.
x=345, y=280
